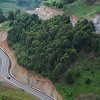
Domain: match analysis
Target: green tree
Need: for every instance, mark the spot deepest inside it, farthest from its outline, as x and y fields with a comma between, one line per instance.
x=70, y=77
x=2, y=17
x=83, y=34
x=88, y=81
x=96, y=45
x=69, y=1
x=17, y=12
x=57, y=72
x=11, y=15
x=78, y=73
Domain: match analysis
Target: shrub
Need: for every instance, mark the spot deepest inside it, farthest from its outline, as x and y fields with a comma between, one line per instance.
x=70, y=77
x=77, y=73
x=88, y=81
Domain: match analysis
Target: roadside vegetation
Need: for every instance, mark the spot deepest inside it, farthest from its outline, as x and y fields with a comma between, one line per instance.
x=8, y=93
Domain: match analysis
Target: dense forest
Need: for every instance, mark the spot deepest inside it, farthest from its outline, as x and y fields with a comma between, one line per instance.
x=49, y=47
x=67, y=55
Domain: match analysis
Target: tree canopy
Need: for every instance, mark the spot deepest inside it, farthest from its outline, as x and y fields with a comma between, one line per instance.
x=48, y=47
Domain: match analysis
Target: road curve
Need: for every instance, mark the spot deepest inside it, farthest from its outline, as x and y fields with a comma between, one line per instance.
x=5, y=73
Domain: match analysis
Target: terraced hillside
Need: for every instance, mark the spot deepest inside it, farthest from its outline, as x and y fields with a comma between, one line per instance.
x=8, y=5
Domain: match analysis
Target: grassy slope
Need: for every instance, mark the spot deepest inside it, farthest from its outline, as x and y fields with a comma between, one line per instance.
x=69, y=92
x=4, y=26
x=13, y=93
x=81, y=9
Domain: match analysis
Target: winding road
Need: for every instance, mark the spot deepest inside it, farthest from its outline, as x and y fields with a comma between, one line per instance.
x=5, y=65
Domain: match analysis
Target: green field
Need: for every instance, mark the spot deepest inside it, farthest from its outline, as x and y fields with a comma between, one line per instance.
x=4, y=26
x=8, y=5
x=81, y=9
x=90, y=69
x=7, y=93
x=51, y=1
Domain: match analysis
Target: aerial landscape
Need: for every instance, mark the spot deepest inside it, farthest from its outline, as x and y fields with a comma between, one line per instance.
x=49, y=49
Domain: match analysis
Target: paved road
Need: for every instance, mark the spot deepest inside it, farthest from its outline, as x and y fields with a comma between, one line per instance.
x=5, y=73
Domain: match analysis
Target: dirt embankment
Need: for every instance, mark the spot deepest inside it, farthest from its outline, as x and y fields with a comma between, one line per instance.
x=45, y=12
x=25, y=76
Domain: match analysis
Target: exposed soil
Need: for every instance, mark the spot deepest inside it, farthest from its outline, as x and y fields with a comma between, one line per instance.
x=74, y=19
x=45, y=12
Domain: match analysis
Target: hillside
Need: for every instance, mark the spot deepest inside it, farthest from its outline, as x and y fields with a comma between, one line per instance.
x=77, y=8
x=81, y=9
x=87, y=66
x=52, y=47
x=68, y=56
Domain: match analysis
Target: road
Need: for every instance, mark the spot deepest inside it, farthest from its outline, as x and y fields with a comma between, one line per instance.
x=5, y=65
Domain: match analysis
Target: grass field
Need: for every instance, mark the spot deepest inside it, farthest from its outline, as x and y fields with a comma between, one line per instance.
x=13, y=94
x=81, y=9
x=8, y=5
x=51, y=1
x=70, y=92
x=4, y=26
